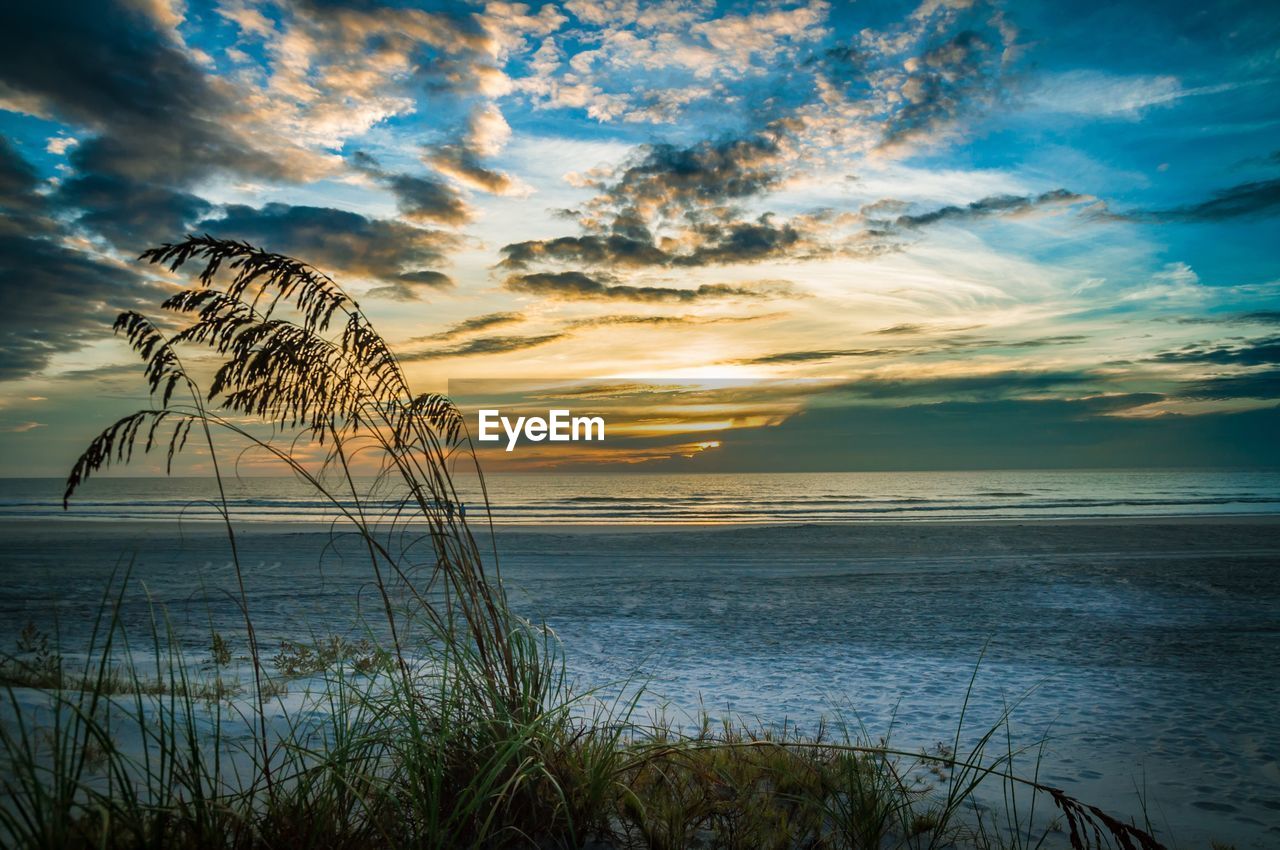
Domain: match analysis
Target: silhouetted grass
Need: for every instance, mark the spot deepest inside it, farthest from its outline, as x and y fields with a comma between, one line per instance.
x=452, y=723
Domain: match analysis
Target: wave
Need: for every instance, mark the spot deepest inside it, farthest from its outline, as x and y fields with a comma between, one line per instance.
x=818, y=497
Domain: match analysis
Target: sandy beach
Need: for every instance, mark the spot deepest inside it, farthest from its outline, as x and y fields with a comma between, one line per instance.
x=1147, y=651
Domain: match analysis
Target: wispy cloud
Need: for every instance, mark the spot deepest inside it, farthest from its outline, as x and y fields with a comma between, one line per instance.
x=577, y=286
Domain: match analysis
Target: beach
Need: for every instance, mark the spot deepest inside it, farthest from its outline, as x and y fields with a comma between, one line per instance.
x=1144, y=650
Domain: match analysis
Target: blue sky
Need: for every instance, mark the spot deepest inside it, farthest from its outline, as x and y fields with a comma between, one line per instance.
x=1039, y=219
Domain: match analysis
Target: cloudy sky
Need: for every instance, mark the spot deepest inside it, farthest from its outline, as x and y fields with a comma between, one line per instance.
x=953, y=233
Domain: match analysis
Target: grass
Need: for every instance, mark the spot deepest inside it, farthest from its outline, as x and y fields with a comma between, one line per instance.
x=452, y=723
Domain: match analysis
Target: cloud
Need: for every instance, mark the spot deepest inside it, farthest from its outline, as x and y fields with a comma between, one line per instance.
x=59, y=145
x=460, y=163
x=1255, y=352
x=133, y=216
x=1098, y=93
x=612, y=250
x=994, y=385
x=54, y=299
x=995, y=205
x=1263, y=384
x=155, y=115
x=911, y=329
x=485, y=345
x=814, y=355
x=941, y=346
x=1095, y=93
x=609, y=321
x=687, y=53
x=709, y=243
x=421, y=199
x=577, y=286
x=18, y=182
x=667, y=180
x=504, y=344
x=681, y=206
x=21, y=427
x=151, y=122
x=426, y=200
x=335, y=69
x=342, y=241
x=1246, y=199
x=485, y=135
x=1259, y=198
x=409, y=286
x=674, y=205
x=475, y=323
x=939, y=85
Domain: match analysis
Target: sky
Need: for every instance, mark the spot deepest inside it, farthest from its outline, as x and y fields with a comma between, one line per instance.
x=767, y=236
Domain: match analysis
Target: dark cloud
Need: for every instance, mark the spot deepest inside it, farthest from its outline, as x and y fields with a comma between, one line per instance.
x=476, y=323
x=690, y=193
x=996, y=385
x=423, y=199
x=342, y=241
x=611, y=250
x=577, y=286
x=1260, y=198
x=744, y=242
x=842, y=63
x=53, y=298
x=486, y=345
x=437, y=280
x=670, y=179
x=1267, y=317
x=943, y=82
x=1255, y=317
x=152, y=123
x=606, y=321
x=815, y=355
x=155, y=114
x=133, y=216
x=911, y=329
x=932, y=347
x=18, y=182
x=995, y=205
x=1263, y=384
x=705, y=244
x=1246, y=199
x=458, y=161
x=1254, y=352
x=902, y=330
x=1035, y=342
x=410, y=285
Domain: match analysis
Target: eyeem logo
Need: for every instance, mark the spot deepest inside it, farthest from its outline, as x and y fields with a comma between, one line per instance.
x=560, y=426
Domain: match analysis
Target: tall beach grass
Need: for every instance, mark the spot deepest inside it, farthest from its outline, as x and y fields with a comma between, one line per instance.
x=450, y=722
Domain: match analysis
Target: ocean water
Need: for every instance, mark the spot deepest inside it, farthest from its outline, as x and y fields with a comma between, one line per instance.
x=537, y=499
x=1146, y=652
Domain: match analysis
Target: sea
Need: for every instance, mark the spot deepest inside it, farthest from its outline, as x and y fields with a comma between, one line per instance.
x=533, y=499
